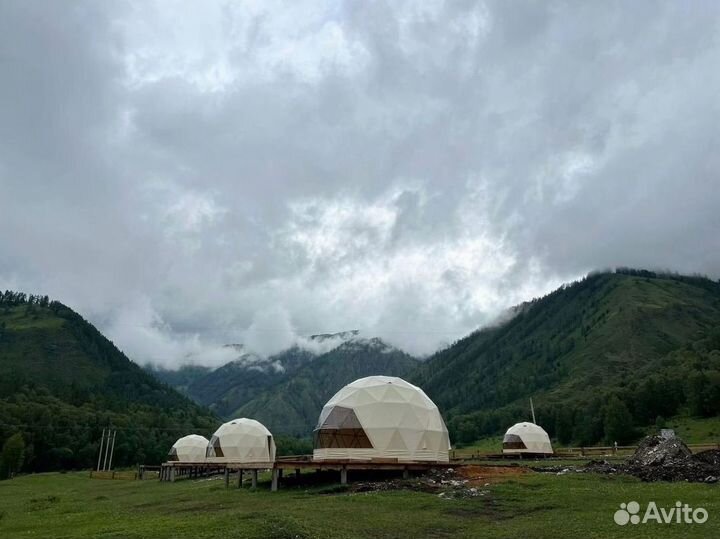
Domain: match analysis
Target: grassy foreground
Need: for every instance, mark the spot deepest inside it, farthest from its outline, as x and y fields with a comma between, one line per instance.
x=532, y=505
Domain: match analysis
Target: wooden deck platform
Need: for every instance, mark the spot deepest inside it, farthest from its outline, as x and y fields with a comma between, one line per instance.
x=172, y=471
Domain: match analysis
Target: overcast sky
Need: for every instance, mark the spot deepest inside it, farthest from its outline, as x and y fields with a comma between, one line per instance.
x=192, y=174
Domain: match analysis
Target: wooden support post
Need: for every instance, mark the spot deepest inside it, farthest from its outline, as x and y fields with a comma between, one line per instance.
x=172, y=474
x=239, y=479
x=343, y=476
x=227, y=478
x=254, y=478
x=275, y=477
x=297, y=473
x=102, y=438
x=406, y=474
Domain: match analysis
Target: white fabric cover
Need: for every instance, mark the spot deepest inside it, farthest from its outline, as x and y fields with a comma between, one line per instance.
x=189, y=448
x=534, y=437
x=241, y=440
x=399, y=419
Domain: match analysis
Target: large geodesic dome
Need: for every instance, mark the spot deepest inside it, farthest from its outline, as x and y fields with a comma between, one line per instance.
x=241, y=440
x=189, y=448
x=381, y=417
x=527, y=438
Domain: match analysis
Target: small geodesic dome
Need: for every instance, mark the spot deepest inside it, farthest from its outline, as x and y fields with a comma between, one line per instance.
x=189, y=448
x=381, y=417
x=241, y=440
x=527, y=438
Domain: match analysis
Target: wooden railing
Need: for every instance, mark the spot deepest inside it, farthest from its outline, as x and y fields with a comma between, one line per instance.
x=572, y=452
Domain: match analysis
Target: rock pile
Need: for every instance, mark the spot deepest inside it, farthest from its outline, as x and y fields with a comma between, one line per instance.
x=660, y=459
x=659, y=451
x=669, y=459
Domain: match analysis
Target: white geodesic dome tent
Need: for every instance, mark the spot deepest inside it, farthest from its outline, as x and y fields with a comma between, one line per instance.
x=527, y=438
x=189, y=448
x=381, y=417
x=241, y=440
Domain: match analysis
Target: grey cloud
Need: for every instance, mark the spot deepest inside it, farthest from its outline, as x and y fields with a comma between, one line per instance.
x=199, y=176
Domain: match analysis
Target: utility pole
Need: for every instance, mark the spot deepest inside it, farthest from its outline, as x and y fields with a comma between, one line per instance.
x=102, y=438
x=112, y=449
x=532, y=409
x=107, y=450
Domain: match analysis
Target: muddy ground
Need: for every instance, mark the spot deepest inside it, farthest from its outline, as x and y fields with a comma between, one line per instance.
x=657, y=459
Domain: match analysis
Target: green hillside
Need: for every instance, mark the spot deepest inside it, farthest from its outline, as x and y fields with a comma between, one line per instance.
x=601, y=357
x=181, y=379
x=62, y=381
x=227, y=388
x=293, y=406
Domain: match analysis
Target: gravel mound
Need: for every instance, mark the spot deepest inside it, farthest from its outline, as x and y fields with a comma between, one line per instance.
x=658, y=459
x=669, y=459
x=658, y=451
x=711, y=456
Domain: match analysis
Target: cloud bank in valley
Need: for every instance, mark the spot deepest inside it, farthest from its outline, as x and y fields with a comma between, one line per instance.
x=188, y=175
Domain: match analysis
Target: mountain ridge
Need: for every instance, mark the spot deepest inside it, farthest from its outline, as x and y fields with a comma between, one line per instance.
x=614, y=336
x=62, y=382
x=630, y=335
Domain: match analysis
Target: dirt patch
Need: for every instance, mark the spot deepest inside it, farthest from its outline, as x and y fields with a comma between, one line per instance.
x=657, y=459
x=489, y=475
x=463, y=482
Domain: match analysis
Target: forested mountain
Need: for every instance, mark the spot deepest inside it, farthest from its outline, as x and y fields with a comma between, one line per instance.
x=228, y=387
x=182, y=378
x=293, y=406
x=600, y=357
x=234, y=384
x=62, y=381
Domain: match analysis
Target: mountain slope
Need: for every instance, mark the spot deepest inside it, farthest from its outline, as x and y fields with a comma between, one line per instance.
x=651, y=340
x=230, y=386
x=62, y=381
x=293, y=406
x=181, y=379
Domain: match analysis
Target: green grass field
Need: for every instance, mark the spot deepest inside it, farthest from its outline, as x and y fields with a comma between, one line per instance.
x=693, y=430
x=533, y=505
